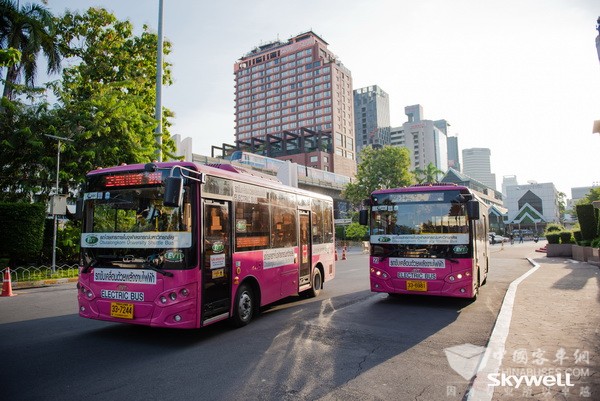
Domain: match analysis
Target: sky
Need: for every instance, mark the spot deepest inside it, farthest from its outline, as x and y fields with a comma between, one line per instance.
x=521, y=78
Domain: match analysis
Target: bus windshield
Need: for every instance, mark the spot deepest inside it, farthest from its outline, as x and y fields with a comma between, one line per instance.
x=420, y=224
x=132, y=228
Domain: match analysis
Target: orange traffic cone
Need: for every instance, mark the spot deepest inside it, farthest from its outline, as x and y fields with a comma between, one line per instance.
x=7, y=284
x=344, y=253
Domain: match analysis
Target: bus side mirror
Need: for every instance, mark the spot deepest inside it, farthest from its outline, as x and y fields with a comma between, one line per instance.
x=173, y=191
x=473, y=209
x=363, y=217
x=78, y=209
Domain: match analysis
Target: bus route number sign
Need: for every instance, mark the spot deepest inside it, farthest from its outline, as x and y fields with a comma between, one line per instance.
x=121, y=310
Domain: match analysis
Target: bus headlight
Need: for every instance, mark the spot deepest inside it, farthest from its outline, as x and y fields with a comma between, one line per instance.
x=184, y=292
x=163, y=300
x=379, y=273
x=173, y=296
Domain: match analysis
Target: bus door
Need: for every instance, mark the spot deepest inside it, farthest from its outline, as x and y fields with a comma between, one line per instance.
x=305, y=247
x=216, y=260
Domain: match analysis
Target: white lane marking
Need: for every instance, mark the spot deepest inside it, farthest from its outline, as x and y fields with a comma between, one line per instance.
x=481, y=389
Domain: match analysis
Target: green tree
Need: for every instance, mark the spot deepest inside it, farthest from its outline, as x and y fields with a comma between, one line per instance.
x=593, y=195
x=386, y=167
x=429, y=174
x=30, y=30
x=26, y=156
x=108, y=93
x=9, y=57
x=355, y=231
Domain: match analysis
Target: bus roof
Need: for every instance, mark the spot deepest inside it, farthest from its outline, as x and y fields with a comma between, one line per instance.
x=236, y=173
x=441, y=186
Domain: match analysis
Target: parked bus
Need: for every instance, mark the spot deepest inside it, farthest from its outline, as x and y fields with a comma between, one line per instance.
x=427, y=239
x=185, y=245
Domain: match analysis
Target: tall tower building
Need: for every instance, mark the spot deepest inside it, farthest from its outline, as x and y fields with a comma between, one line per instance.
x=508, y=181
x=476, y=164
x=371, y=117
x=426, y=142
x=453, y=153
x=293, y=101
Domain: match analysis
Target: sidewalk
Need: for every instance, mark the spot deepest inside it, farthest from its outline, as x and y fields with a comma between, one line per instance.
x=555, y=329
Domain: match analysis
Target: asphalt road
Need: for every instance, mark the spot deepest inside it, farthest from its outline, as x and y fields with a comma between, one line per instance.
x=346, y=344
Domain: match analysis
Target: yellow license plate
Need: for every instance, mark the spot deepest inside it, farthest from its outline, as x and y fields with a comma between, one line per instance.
x=412, y=285
x=121, y=310
x=218, y=273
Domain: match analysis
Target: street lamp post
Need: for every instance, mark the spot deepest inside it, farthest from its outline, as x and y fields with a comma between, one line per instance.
x=159, y=76
x=58, y=138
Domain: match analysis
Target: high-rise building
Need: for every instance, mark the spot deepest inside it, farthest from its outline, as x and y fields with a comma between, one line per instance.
x=507, y=181
x=453, y=153
x=425, y=141
x=371, y=117
x=477, y=165
x=397, y=136
x=293, y=101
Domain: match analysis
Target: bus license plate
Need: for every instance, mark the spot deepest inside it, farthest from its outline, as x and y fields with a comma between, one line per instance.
x=121, y=310
x=412, y=285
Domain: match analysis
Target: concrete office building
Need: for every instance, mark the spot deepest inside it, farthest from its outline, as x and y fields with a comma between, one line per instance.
x=453, y=153
x=294, y=101
x=425, y=141
x=476, y=164
x=371, y=117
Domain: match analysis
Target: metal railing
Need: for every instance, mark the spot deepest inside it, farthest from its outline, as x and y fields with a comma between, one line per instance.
x=40, y=273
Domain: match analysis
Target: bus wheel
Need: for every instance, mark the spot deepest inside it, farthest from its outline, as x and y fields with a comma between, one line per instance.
x=243, y=308
x=317, y=284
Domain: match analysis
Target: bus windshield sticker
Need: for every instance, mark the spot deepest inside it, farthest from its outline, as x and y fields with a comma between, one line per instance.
x=217, y=261
x=420, y=263
x=425, y=239
x=137, y=240
x=92, y=195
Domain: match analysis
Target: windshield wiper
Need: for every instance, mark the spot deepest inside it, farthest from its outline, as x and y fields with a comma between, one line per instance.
x=93, y=263
x=150, y=266
x=390, y=253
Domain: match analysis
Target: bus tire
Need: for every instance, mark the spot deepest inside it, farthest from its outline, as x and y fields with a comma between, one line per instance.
x=243, y=307
x=317, y=284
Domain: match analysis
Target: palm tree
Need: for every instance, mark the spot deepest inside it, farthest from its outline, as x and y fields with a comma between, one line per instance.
x=27, y=29
x=429, y=174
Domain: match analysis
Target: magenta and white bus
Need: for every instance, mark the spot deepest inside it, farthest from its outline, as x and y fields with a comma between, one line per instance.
x=428, y=239
x=184, y=245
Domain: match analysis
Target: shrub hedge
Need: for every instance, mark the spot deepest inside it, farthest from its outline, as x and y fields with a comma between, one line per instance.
x=21, y=230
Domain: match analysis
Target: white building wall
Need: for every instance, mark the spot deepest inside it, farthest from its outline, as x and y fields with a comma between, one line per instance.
x=183, y=147
x=546, y=192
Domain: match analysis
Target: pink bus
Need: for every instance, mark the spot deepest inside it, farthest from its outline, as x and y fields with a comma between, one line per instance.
x=428, y=239
x=185, y=245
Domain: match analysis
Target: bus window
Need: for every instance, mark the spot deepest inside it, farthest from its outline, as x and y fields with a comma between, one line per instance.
x=252, y=229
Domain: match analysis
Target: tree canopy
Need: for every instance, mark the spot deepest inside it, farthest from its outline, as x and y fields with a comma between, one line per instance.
x=379, y=168
x=30, y=30
x=105, y=105
x=430, y=174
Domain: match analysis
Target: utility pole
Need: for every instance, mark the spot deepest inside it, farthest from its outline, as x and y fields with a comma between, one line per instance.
x=54, y=201
x=159, y=77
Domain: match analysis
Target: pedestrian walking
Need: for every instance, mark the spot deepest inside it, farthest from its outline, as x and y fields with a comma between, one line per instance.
x=520, y=238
